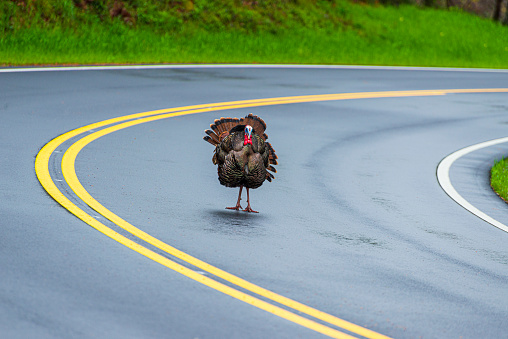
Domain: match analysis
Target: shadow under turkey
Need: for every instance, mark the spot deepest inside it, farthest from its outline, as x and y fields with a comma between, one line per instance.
x=235, y=223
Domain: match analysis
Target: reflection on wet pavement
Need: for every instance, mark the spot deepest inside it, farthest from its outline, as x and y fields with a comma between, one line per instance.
x=235, y=223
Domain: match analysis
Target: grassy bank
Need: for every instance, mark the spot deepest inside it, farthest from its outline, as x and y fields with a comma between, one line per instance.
x=307, y=32
x=499, y=178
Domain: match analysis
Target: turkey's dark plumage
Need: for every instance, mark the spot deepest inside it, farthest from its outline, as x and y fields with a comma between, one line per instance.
x=242, y=155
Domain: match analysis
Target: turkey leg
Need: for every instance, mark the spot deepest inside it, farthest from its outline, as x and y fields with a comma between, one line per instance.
x=237, y=207
x=248, y=209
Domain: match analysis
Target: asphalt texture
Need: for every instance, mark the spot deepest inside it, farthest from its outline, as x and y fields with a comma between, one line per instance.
x=355, y=223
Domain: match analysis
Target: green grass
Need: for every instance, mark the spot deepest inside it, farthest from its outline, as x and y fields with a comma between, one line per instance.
x=297, y=32
x=499, y=178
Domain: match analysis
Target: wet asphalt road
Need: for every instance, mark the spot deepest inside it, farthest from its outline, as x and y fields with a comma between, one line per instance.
x=355, y=223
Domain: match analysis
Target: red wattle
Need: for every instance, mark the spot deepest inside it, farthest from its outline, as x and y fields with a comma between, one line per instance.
x=247, y=140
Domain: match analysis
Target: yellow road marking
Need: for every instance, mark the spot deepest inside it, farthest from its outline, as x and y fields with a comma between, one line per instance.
x=41, y=166
x=68, y=169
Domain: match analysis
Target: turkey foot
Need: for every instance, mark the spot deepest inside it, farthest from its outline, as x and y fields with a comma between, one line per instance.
x=249, y=209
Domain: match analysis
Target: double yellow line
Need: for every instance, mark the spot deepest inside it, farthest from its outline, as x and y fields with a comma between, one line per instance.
x=111, y=125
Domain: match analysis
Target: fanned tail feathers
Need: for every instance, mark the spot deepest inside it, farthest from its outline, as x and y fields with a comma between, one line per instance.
x=272, y=157
x=272, y=160
x=220, y=129
x=211, y=137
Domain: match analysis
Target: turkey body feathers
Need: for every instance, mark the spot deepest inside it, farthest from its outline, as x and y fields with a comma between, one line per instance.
x=240, y=165
x=242, y=160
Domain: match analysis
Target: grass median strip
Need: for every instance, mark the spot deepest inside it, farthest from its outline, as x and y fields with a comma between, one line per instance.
x=499, y=178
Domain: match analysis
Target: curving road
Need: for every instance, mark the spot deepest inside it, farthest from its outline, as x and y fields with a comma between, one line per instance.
x=354, y=226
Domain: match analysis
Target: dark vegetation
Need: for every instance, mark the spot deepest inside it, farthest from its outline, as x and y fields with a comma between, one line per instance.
x=172, y=15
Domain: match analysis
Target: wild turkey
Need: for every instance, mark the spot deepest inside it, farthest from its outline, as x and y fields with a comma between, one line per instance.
x=241, y=153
